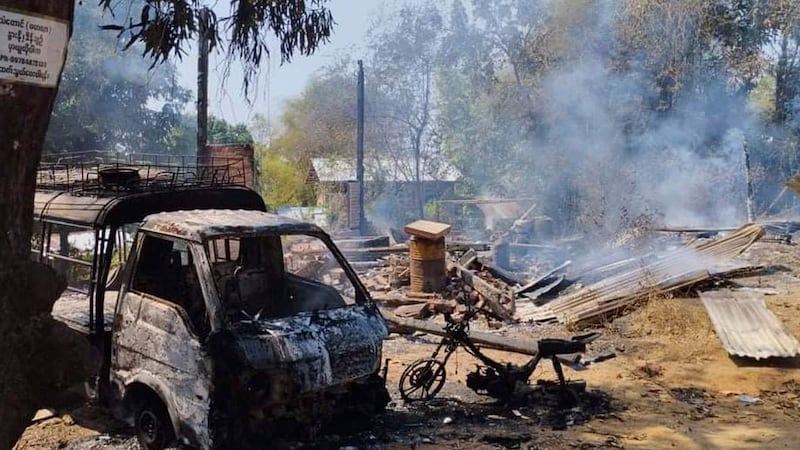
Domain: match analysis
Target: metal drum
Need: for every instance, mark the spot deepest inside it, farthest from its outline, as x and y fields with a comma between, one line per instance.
x=427, y=266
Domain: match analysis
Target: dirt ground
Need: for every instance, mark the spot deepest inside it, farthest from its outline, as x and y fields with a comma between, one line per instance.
x=670, y=385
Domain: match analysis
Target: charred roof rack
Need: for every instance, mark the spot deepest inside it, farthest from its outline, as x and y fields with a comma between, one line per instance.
x=100, y=174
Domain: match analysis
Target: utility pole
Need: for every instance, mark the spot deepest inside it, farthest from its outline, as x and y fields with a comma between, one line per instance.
x=202, y=82
x=749, y=177
x=362, y=222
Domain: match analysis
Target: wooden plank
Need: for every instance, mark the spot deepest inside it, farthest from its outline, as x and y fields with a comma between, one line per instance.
x=394, y=301
x=482, y=339
x=423, y=295
x=391, y=249
x=416, y=310
x=460, y=246
x=427, y=229
x=363, y=266
x=371, y=254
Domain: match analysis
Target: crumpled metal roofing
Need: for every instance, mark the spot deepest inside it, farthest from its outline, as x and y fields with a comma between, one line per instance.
x=199, y=225
x=639, y=277
x=747, y=327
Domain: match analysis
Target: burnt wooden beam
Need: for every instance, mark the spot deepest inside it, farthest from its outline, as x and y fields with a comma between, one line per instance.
x=495, y=299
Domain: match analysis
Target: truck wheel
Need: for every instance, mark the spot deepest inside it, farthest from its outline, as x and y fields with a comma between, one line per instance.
x=153, y=426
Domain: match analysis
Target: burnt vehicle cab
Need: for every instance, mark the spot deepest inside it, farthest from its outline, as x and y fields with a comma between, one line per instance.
x=233, y=320
x=215, y=320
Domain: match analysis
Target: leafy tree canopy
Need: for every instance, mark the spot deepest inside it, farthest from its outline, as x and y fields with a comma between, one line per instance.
x=283, y=182
x=109, y=100
x=221, y=132
x=321, y=122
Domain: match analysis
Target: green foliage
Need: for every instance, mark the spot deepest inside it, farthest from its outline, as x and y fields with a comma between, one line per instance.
x=322, y=121
x=762, y=97
x=282, y=181
x=108, y=100
x=182, y=138
x=221, y=132
x=430, y=210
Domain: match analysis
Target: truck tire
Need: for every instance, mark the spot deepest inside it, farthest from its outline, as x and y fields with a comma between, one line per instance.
x=152, y=424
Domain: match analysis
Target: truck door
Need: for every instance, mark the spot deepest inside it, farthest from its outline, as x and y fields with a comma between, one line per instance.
x=160, y=323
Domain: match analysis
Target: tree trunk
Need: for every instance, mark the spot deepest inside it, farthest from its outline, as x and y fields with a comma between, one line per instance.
x=419, y=134
x=29, y=372
x=418, y=191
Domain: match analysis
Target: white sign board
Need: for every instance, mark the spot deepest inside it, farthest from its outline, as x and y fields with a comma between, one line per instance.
x=32, y=48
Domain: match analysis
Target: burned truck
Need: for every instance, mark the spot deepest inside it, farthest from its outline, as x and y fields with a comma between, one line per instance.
x=218, y=322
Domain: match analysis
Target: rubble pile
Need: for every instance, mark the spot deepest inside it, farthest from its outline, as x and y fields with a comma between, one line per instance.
x=565, y=292
x=521, y=278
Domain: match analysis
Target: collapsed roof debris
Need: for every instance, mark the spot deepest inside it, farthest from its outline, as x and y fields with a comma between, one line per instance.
x=566, y=292
x=636, y=279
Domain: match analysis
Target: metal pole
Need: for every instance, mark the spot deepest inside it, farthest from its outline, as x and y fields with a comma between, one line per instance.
x=202, y=82
x=362, y=222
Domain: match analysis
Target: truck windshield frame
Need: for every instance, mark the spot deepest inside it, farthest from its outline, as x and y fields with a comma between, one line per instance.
x=256, y=275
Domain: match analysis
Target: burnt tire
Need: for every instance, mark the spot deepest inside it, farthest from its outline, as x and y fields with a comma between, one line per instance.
x=152, y=424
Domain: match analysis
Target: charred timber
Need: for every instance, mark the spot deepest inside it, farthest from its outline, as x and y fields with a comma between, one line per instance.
x=500, y=302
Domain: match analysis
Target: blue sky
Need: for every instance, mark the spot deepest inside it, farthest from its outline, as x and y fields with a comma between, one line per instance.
x=278, y=83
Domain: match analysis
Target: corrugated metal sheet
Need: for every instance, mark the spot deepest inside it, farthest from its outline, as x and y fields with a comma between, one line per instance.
x=746, y=327
x=636, y=278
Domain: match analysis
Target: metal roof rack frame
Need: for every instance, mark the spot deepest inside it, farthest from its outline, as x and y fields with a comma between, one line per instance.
x=100, y=174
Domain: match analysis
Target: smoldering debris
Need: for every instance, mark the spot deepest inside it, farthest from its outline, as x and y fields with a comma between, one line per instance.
x=657, y=274
x=529, y=277
x=565, y=292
